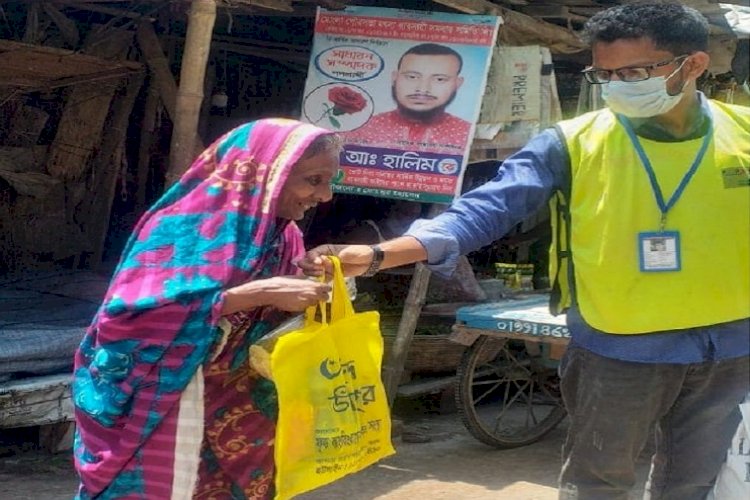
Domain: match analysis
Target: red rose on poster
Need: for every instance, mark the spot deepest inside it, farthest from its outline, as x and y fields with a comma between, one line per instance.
x=343, y=101
x=346, y=100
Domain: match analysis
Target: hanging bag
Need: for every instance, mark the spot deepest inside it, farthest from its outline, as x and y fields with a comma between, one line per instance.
x=333, y=412
x=733, y=481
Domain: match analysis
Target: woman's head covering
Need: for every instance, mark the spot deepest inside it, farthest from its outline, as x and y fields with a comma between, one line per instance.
x=209, y=229
x=214, y=229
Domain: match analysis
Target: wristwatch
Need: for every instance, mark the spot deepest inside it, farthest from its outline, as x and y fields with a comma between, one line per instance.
x=377, y=259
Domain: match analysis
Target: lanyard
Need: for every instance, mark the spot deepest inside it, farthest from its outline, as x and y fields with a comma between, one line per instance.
x=665, y=207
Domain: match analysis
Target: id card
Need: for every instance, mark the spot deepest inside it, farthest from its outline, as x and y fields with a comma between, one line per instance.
x=659, y=251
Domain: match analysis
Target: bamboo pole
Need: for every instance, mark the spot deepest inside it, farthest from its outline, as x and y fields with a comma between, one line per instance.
x=201, y=21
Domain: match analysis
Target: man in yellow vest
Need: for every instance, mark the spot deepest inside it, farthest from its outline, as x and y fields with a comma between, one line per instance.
x=651, y=208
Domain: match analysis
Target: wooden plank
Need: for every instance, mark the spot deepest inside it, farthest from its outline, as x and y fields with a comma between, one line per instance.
x=463, y=337
x=36, y=401
x=424, y=386
x=107, y=168
x=79, y=131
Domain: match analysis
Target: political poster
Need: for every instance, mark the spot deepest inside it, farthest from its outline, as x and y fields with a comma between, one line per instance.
x=404, y=89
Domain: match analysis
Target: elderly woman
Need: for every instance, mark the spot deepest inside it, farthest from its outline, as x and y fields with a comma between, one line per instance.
x=166, y=404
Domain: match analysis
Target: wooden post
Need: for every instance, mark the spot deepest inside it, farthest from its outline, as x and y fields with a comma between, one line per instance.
x=107, y=166
x=190, y=93
x=415, y=300
x=409, y=317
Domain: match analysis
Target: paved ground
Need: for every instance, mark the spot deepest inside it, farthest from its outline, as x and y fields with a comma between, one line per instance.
x=451, y=466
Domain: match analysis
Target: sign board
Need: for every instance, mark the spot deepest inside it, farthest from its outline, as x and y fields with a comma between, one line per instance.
x=404, y=88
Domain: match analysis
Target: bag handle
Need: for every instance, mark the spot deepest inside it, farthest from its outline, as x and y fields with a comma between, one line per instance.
x=310, y=311
x=341, y=305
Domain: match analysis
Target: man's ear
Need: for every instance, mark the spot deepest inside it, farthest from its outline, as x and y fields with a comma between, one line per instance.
x=697, y=64
x=394, y=75
x=459, y=82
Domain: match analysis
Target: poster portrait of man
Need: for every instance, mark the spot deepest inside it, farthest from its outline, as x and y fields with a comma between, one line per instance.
x=404, y=89
x=423, y=84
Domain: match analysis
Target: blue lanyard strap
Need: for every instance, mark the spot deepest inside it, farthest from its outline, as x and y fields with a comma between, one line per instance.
x=665, y=207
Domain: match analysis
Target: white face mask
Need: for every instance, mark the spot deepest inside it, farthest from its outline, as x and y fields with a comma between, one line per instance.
x=642, y=99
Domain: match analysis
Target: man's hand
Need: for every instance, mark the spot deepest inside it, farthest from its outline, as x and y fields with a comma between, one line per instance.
x=355, y=259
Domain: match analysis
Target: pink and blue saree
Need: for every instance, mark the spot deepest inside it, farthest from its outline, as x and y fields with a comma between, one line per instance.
x=166, y=405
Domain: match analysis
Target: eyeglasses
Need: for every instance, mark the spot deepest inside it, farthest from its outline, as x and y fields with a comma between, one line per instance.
x=629, y=74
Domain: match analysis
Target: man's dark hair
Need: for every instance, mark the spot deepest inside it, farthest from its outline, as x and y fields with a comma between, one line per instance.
x=432, y=49
x=671, y=26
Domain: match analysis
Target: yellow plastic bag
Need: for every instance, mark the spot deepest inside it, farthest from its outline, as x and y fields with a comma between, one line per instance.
x=333, y=412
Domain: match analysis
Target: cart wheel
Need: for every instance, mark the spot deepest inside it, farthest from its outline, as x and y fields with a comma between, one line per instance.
x=506, y=397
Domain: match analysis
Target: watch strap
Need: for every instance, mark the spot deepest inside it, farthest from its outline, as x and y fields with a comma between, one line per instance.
x=377, y=259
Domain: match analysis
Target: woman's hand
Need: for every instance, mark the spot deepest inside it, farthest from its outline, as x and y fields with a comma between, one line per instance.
x=355, y=259
x=287, y=293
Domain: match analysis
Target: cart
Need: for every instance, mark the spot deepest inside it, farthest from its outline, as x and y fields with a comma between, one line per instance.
x=507, y=387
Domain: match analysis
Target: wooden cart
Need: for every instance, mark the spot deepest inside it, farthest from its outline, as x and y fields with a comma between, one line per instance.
x=507, y=387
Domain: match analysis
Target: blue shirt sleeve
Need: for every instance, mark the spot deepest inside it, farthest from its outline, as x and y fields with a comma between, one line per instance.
x=524, y=183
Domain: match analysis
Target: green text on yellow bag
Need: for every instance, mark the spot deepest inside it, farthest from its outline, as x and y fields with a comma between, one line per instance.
x=333, y=412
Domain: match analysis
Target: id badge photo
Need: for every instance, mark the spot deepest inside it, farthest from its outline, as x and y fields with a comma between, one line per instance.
x=659, y=252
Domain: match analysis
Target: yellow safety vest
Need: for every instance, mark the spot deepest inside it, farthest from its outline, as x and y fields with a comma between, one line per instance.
x=594, y=252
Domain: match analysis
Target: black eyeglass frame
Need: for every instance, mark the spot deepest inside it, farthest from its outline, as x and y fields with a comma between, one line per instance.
x=589, y=73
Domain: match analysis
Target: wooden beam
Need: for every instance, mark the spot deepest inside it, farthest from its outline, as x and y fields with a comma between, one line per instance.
x=545, y=10
x=277, y=55
x=279, y=5
x=68, y=28
x=521, y=29
x=201, y=19
x=32, y=33
x=529, y=30
x=107, y=165
x=129, y=14
x=148, y=126
x=96, y=77
x=159, y=66
x=471, y=6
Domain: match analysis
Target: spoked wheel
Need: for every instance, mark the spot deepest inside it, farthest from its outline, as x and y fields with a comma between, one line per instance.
x=505, y=396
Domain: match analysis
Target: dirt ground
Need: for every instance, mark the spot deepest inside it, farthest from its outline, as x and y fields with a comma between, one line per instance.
x=452, y=465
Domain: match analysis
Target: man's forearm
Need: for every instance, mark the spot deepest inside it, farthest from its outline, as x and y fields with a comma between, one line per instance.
x=401, y=251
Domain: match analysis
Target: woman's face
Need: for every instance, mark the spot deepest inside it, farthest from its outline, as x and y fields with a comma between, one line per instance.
x=308, y=184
